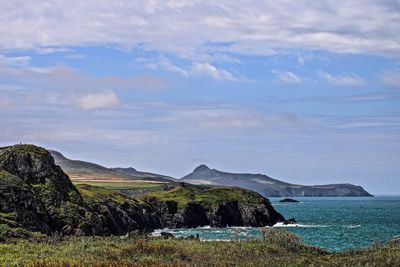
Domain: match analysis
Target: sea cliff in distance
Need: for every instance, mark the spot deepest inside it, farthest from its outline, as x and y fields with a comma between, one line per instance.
x=270, y=187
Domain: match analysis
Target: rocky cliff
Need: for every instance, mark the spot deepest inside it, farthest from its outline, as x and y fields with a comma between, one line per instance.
x=189, y=206
x=36, y=195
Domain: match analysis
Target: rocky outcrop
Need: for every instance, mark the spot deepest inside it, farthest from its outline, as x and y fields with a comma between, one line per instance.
x=217, y=207
x=38, y=196
x=288, y=200
x=19, y=204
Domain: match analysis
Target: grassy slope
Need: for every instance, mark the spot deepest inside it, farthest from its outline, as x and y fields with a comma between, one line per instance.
x=145, y=251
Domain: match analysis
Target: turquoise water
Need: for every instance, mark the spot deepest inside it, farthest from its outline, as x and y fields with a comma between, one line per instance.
x=335, y=224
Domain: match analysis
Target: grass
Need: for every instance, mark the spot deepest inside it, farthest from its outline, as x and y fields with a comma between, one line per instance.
x=123, y=185
x=130, y=189
x=207, y=197
x=282, y=249
x=99, y=194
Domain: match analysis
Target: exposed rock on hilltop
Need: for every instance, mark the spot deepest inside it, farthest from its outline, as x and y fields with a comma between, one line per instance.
x=270, y=187
x=36, y=195
x=34, y=168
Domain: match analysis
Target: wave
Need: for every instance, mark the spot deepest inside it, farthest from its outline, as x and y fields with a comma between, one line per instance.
x=353, y=226
x=204, y=227
x=282, y=225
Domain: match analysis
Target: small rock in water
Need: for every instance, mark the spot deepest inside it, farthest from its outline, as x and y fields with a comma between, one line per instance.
x=290, y=221
x=289, y=200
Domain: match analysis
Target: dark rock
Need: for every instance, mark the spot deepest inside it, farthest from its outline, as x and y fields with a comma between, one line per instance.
x=167, y=235
x=289, y=200
x=167, y=187
x=290, y=221
x=24, y=209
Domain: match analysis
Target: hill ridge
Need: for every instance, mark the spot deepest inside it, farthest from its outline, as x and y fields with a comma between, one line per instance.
x=271, y=187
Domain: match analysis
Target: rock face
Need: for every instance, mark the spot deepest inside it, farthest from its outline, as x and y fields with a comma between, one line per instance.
x=270, y=187
x=36, y=195
x=19, y=204
x=217, y=207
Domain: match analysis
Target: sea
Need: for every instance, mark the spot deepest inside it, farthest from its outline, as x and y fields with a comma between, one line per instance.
x=334, y=224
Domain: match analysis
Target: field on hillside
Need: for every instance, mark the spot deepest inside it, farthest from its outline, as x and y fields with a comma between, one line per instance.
x=127, y=187
x=83, y=177
x=277, y=249
x=115, y=185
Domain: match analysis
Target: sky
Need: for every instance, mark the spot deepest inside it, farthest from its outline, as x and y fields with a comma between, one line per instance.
x=304, y=91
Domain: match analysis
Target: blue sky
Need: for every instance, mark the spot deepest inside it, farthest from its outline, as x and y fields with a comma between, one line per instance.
x=305, y=91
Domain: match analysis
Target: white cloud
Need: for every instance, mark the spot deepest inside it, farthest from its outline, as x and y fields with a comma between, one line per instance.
x=350, y=79
x=391, y=77
x=191, y=29
x=213, y=72
x=98, y=101
x=287, y=77
x=14, y=61
x=195, y=69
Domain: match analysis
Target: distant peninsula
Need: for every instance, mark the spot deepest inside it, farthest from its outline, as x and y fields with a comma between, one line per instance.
x=270, y=187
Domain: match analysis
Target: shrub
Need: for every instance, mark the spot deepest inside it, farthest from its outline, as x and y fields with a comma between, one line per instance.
x=281, y=238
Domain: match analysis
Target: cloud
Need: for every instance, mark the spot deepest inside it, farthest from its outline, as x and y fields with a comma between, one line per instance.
x=350, y=79
x=14, y=61
x=287, y=77
x=191, y=69
x=190, y=29
x=213, y=72
x=391, y=77
x=98, y=101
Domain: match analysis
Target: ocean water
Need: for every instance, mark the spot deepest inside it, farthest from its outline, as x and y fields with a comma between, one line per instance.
x=335, y=224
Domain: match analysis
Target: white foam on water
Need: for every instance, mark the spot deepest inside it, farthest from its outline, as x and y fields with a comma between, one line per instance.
x=353, y=226
x=156, y=233
x=282, y=225
x=204, y=227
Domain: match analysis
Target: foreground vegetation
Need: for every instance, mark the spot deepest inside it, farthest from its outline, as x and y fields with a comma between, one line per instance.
x=277, y=249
